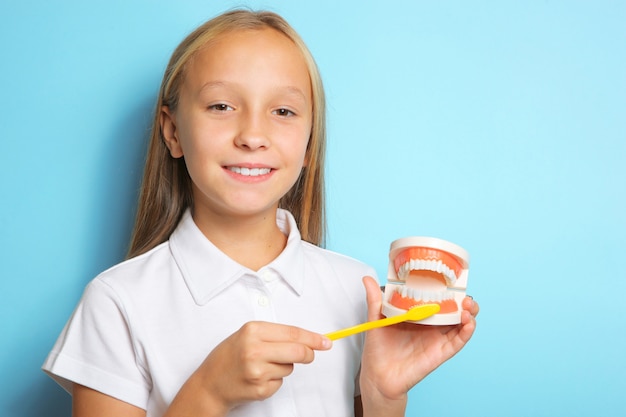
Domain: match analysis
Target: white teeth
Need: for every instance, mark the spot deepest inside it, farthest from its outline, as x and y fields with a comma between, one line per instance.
x=422, y=264
x=250, y=172
x=426, y=296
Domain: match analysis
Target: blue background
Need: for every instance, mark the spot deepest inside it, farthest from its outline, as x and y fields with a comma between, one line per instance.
x=500, y=126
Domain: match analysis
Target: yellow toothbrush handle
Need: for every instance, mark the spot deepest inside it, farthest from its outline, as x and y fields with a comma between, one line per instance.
x=424, y=312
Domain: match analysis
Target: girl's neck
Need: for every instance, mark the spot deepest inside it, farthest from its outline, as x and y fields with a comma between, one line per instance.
x=252, y=241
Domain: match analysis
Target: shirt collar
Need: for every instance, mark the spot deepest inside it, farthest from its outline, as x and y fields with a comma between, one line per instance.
x=207, y=270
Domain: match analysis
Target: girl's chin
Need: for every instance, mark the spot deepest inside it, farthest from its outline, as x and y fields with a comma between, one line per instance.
x=239, y=210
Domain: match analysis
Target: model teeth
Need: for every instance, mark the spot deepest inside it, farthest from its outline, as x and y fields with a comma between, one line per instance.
x=425, y=296
x=426, y=265
x=250, y=172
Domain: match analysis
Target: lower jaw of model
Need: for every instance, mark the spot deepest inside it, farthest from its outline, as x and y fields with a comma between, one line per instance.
x=427, y=275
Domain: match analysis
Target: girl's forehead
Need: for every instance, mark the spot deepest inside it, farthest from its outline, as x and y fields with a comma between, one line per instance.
x=250, y=55
x=263, y=41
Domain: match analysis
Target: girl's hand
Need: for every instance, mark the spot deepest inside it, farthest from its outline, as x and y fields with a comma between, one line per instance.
x=248, y=366
x=395, y=358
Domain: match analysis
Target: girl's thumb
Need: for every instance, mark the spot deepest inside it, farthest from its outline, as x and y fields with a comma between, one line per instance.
x=374, y=298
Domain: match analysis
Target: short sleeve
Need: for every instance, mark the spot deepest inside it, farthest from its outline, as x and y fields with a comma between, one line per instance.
x=96, y=349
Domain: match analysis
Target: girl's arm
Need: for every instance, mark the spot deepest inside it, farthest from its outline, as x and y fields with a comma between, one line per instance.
x=397, y=357
x=87, y=402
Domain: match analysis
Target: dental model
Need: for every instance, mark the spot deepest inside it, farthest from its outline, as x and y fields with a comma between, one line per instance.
x=426, y=270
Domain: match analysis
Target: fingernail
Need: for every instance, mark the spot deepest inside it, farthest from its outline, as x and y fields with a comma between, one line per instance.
x=327, y=343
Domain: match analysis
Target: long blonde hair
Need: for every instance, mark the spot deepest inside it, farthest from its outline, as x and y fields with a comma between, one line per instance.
x=166, y=190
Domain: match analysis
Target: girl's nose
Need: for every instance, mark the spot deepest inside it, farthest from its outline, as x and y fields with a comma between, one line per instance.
x=252, y=133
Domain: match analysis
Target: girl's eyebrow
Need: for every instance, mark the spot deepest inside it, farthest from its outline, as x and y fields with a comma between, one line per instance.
x=212, y=84
x=295, y=91
x=288, y=89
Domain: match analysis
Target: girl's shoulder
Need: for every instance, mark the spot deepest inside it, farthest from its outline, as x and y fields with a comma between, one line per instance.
x=132, y=271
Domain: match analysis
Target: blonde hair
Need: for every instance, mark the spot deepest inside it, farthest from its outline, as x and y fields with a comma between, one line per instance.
x=166, y=190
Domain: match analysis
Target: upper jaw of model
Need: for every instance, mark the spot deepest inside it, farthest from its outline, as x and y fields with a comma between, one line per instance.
x=424, y=270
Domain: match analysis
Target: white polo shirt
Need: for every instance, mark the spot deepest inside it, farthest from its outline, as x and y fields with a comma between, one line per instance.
x=144, y=326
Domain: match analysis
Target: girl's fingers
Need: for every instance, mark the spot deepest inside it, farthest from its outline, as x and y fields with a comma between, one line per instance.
x=468, y=319
x=263, y=373
x=374, y=298
x=291, y=335
x=470, y=305
x=287, y=353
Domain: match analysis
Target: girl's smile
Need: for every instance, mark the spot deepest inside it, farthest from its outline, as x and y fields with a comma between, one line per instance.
x=249, y=173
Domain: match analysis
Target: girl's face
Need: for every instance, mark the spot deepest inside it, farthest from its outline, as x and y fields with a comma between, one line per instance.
x=242, y=123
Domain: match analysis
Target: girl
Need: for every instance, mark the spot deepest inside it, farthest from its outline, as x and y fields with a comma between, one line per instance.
x=208, y=316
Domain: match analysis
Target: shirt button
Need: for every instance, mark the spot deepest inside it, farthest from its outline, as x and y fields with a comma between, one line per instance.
x=268, y=276
x=263, y=301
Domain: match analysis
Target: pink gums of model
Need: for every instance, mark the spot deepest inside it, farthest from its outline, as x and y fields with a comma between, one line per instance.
x=425, y=270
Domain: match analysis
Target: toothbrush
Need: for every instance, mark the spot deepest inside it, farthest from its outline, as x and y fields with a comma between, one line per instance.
x=414, y=314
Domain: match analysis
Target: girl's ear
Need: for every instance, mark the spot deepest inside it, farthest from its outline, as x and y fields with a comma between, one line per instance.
x=168, y=130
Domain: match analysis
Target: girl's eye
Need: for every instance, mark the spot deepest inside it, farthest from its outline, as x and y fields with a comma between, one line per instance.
x=220, y=107
x=284, y=112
